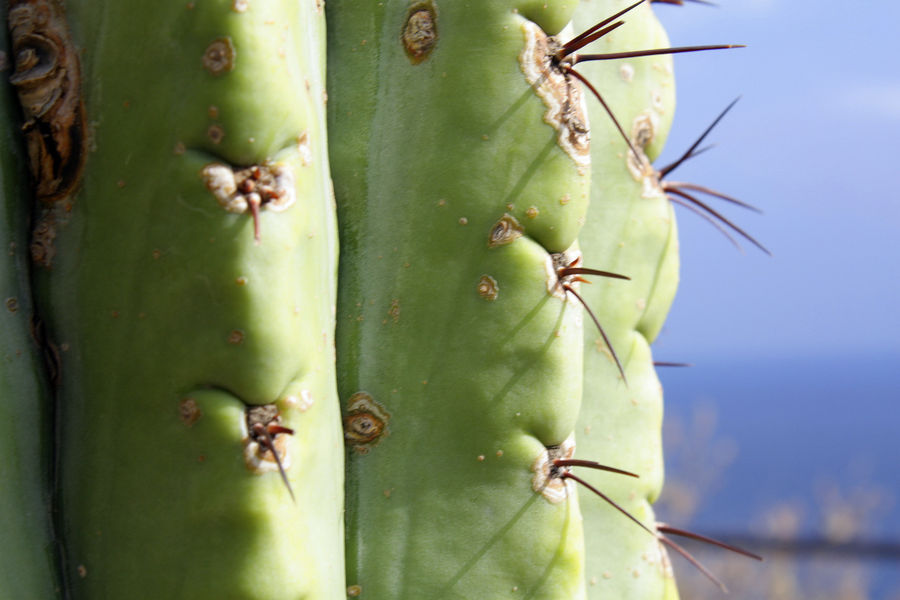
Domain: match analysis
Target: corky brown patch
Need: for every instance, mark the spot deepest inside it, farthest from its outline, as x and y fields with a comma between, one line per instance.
x=47, y=80
x=189, y=411
x=505, y=231
x=488, y=288
x=365, y=422
x=219, y=56
x=560, y=93
x=420, y=33
x=643, y=132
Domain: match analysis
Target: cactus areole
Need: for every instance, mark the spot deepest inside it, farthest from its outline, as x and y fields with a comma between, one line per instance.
x=224, y=410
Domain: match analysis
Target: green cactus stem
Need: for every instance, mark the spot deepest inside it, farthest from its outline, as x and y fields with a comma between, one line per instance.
x=28, y=562
x=189, y=272
x=461, y=171
x=630, y=230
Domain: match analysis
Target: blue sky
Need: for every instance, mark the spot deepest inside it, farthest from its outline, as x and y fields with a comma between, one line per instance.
x=813, y=143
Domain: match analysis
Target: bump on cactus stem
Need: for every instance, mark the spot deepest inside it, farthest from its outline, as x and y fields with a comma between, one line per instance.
x=679, y=192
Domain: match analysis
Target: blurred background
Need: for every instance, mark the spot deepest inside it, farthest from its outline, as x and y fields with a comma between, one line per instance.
x=784, y=435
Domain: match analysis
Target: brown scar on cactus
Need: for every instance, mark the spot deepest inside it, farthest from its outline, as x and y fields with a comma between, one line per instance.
x=566, y=57
x=47, y=80
x=488, y=288
x=505, y=231
x=565, y=275
x=420, y=34
x=267, y=442
x=219, y=57
x=189, y=411
x=269, y=186
x=566, y=110
x=685, y=194
x=643, y=131
x=365, y=422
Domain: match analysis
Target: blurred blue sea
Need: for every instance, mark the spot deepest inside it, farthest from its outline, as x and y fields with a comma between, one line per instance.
x=815, y=439
x=789, y=424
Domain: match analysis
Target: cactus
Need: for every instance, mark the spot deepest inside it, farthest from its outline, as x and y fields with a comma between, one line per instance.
x=190, y=351
x=394, y=182
x=631, y=228
x=27, y=567
x=459, y=356
x=215, y=431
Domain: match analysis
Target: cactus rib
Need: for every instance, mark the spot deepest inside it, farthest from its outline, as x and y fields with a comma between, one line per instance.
x=194, y=350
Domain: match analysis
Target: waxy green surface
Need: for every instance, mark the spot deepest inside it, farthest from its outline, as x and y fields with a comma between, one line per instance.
x=158, y=295
x=426, y=159
x=630, y=229
x=27, y=561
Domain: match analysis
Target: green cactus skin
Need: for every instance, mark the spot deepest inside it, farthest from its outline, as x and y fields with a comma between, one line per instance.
x=174, y=319
x=631, y=230
x=457, y=367
x=27, y=564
